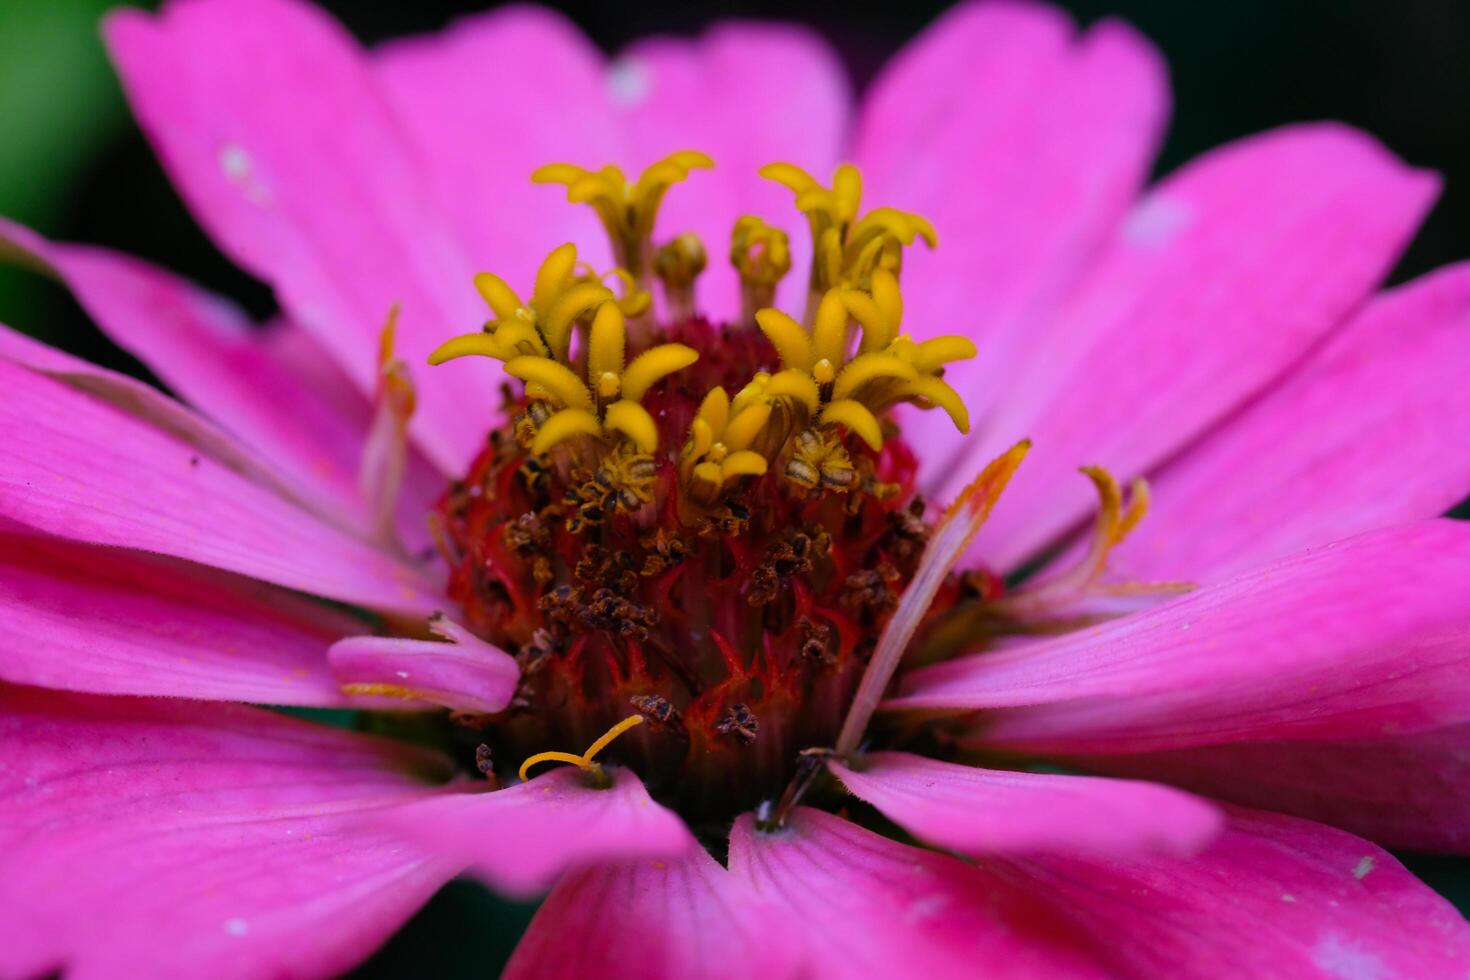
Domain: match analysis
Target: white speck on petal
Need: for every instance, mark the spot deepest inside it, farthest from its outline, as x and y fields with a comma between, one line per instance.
x=235, y=164
x=628, y=83
x=237, y=927
x=402, y=675
x=1362, y=869
x=1289, y=898
x=1156, y=220
x=1337, y=956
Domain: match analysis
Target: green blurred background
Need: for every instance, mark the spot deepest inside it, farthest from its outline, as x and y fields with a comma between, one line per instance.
x=73, y=167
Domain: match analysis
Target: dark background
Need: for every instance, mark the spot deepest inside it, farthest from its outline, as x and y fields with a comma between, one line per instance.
x=72, y=166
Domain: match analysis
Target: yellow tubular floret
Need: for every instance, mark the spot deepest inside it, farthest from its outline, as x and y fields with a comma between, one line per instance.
x=627, y=211
x=847, y=246
x=606, y=342
x=743, y=463
x=570, y=306
x=557, y=380
x=788, y=337
x=829, y=328
x=552, y=276
x=470, y=344
x=562, y=426
x=632, y=420
x=856, y=416
x=796, y=385
x=745, y=426
x=867, y=368
x=501, y=299
x=652, y=366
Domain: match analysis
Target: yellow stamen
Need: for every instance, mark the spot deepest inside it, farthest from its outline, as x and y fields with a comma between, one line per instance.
x=627, y=211
x=848, y=249
x=584, y=761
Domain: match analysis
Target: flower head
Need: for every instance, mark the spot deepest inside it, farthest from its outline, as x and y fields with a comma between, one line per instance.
x=646, y=564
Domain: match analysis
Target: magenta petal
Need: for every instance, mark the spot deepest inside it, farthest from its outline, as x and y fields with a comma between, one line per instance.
x=685, y=917
x=1357, y=438
x=80, y=469
x=487, y=101
x=871, y=907
x=111, y=622
x=748, y=94
x=1407, y=791
x=1024, y=142
x=148, y=405
x=209, y=353
x=519, y=839
x=1274, y=897
x=265, y=115
x=474, y=677
x=1361, y=638
x=169, y=838
x=1220, y=279
x=987, y=811
x=1333, y=684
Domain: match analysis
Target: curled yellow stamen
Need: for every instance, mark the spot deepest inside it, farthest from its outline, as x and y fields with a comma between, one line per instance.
x=627, y=210
x=848, y=248
x=834, y=387
x=584, y=761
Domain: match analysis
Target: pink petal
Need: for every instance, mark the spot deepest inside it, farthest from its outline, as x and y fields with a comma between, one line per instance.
x=748, y=94
x=267, y=118
x=1358, y=438
x=685, y=917
x=519, y=839
x=1024, y=142
x=487, y=101
x=80, y=469
x=476, y=678
x=1274, y=897
x=1405, y=791
x=112, y=622
x=871, y=907
x=148, y=405
x=1221, y=278
x=170, y=838
x=987, y=811
x=1363, y=638
x=206, y=351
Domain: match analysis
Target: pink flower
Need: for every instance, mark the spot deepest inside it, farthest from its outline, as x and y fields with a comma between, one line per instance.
x=741, y=592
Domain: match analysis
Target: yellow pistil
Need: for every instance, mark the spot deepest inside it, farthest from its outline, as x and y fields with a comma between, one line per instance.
x=627, y=210
x=719, y=449
x=584, y=761
x=677, y=264
x=634, y=301
x=835, y=389
x=541, y=327
x=761, y=254
x=848, y=248
x=535, y=348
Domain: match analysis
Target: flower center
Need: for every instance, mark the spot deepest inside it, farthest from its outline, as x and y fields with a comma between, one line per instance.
x=706, y=526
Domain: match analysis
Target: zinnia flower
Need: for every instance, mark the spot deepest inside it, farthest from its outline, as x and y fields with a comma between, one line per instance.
x=640, y=589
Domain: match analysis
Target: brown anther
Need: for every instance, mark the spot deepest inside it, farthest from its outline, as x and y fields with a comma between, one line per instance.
x=486, y=766
x=873, y=588
x=658, y=710
x=820, y=459
x=816, y=642
x=665, y=549
x=739, y=723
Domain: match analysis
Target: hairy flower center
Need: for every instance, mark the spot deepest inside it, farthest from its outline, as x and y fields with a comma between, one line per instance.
x=693, y=534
